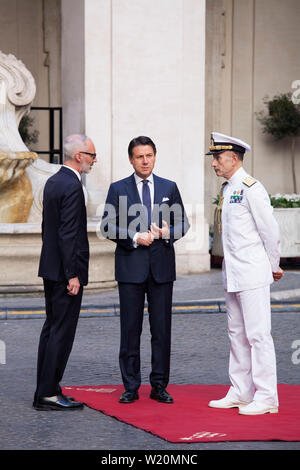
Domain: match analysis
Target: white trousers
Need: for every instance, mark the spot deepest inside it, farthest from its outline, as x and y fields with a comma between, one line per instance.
x=252, y=362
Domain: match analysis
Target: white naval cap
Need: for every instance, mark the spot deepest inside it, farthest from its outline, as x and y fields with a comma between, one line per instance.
x=221, y=142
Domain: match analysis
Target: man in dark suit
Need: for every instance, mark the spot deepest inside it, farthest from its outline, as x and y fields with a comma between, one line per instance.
x=64, y=268
x=144, y=216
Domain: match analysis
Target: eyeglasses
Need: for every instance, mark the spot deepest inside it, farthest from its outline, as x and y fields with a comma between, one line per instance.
x=93, y=155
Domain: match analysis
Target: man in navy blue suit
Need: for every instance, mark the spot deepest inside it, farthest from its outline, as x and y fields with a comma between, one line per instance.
x=144, y=216
x=63, y=266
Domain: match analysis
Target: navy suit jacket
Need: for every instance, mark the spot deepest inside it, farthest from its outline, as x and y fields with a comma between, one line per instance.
x=65, y=248
x=123, y=217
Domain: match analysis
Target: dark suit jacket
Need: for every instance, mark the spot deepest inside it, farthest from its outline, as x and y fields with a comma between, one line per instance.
x=65, y=248
x=119, y=224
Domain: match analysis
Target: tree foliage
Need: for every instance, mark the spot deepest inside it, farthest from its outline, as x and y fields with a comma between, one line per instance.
x=283, y=117
x=282, y=120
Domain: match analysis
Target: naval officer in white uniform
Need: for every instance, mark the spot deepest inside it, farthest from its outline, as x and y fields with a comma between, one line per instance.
x=251, y=246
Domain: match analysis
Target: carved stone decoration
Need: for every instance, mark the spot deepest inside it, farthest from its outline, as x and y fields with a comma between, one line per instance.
x=39, y=172
x=17, y=91
x=15, y=187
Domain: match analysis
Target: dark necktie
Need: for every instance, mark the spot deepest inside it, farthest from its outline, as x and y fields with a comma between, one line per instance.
x=147, y=200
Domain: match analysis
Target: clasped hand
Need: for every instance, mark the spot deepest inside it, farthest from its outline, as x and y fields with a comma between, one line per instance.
x=146, y=238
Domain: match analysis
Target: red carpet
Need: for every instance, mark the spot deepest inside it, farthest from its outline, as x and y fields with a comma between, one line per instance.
x=189, y=419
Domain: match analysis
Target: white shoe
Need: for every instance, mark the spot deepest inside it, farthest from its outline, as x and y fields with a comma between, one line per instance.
x=226, y=402
x=256, y=408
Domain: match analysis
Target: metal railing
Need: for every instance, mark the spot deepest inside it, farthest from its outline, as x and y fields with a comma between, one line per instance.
x=55, y=154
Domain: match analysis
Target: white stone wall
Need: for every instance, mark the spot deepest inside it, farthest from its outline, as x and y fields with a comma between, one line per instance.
x=144, y=72
x=252, y=51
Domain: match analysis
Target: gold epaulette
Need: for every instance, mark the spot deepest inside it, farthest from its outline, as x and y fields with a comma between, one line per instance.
x=249, y=181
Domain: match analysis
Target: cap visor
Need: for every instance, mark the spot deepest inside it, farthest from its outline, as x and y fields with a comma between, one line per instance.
x=215, y=153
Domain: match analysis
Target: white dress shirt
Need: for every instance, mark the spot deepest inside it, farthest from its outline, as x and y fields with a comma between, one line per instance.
x=139, y=185
x=250, y=235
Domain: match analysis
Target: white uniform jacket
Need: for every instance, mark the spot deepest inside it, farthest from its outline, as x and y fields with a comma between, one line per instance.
x=250, y=234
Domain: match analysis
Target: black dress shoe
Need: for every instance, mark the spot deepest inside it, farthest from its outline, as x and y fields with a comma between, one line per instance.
x=68, y=398
x=161, y=395
x=60, y=393
x=128, y=397
x=58, y=402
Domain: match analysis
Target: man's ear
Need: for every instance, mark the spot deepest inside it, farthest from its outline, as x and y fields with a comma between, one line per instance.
x=235, y=157
x=78, y=157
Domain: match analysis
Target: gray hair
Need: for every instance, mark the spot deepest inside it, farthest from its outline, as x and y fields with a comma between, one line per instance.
x=73, y=144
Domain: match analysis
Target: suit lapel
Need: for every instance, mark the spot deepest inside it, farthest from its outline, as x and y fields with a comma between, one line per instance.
x=134, y=197
x=132, y=191
x=158, y=189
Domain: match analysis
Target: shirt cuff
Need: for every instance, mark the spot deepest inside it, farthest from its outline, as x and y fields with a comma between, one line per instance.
x=134, y=243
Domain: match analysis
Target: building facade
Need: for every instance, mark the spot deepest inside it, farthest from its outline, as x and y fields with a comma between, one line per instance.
x=174, y=70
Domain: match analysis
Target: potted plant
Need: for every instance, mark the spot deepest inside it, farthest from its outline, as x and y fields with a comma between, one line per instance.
x=282, y=121
x=216, y=248
x=287, y=213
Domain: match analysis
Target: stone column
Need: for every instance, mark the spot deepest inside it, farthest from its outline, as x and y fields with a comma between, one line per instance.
x=98, y=98
x=86, y=101
x=86, y=84
x=72, y=65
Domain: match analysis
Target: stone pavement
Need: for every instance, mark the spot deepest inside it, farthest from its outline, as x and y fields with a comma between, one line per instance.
x=196, y=292
x=200, y=351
